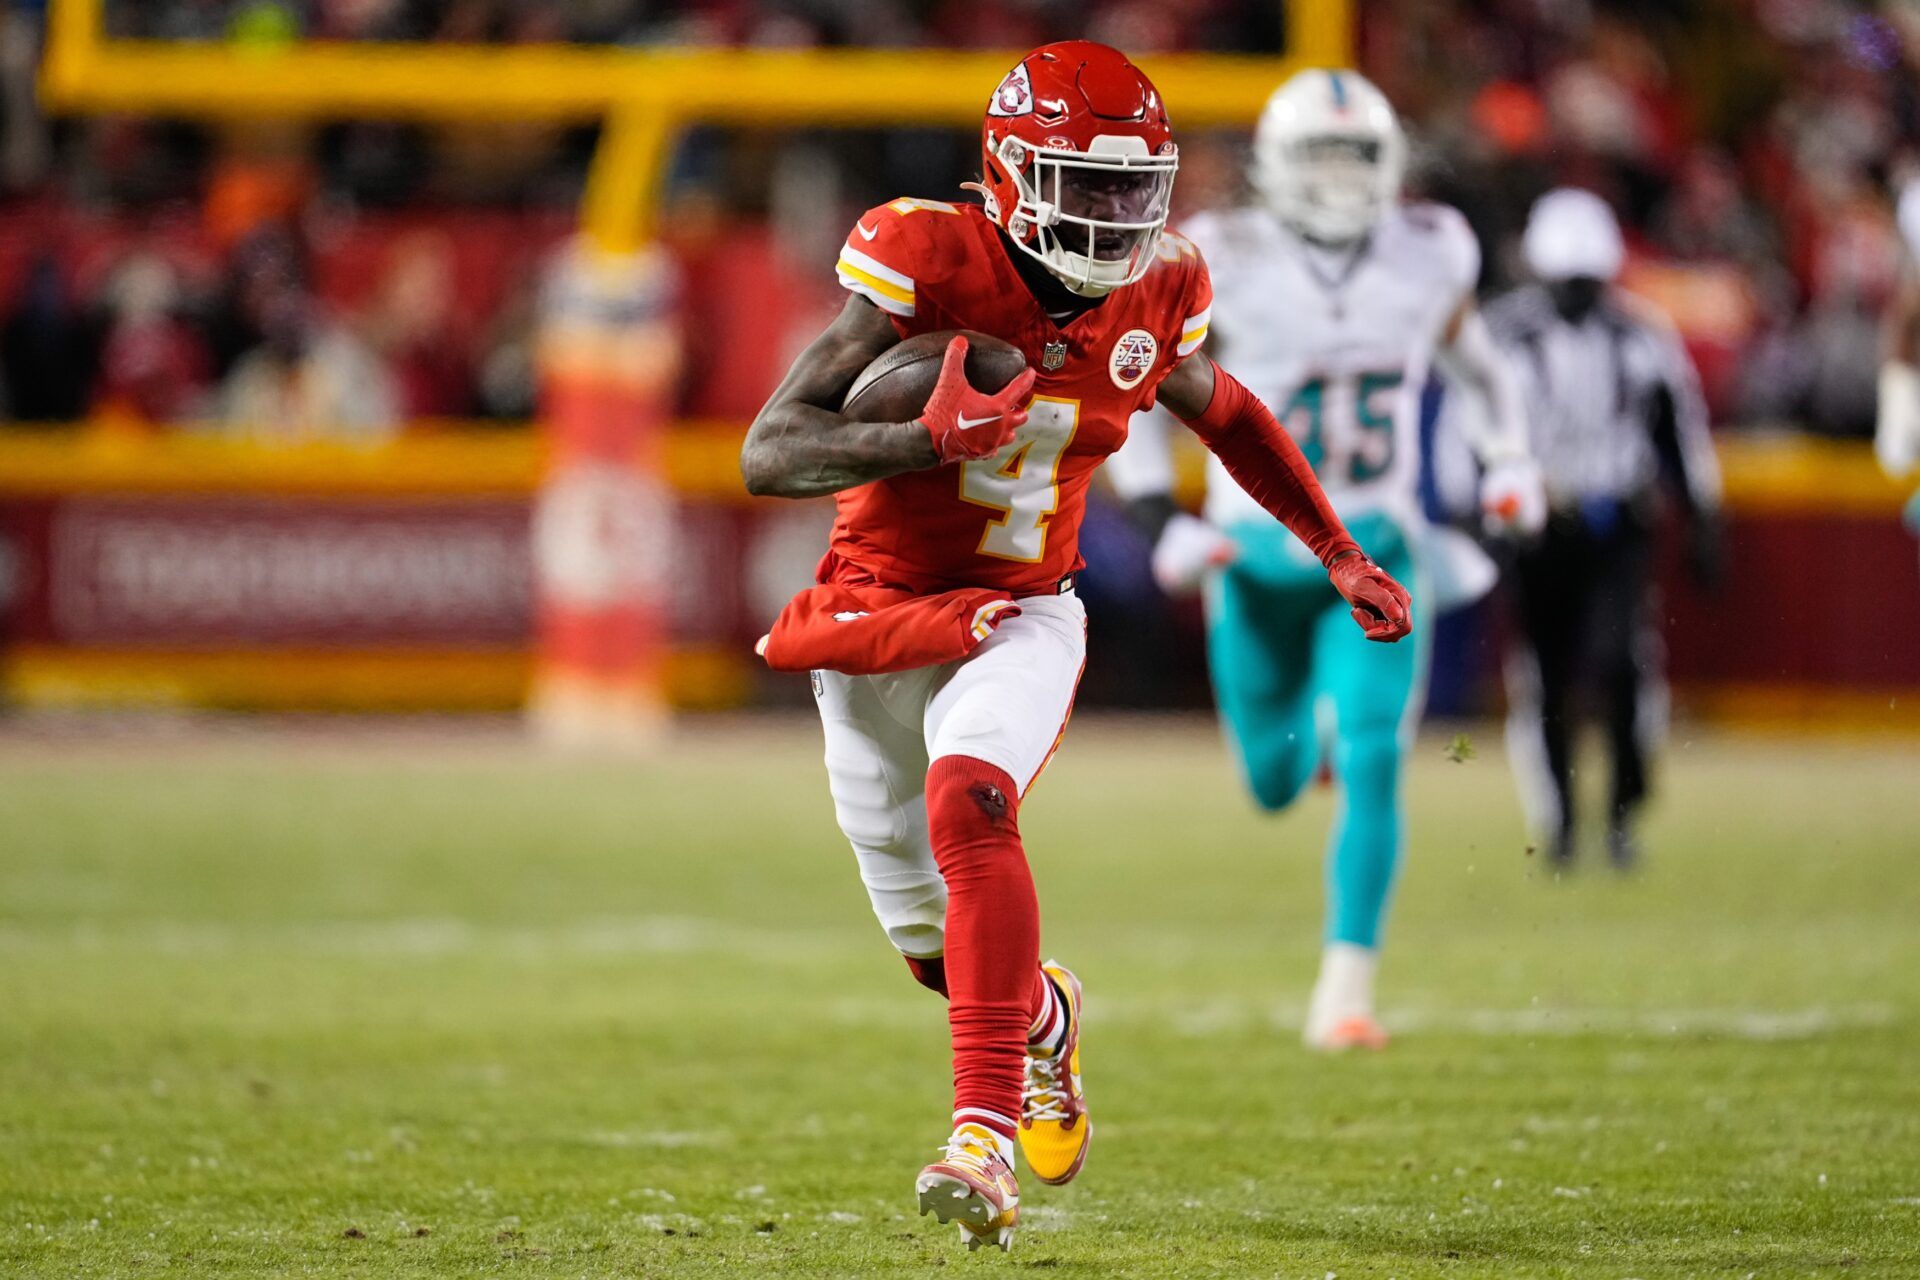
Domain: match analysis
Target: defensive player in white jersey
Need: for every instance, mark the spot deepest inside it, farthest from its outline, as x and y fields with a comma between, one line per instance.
x=1336, y=299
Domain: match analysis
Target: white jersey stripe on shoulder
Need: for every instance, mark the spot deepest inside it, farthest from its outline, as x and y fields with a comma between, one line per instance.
x=874, y=267
x=881, y=296
x=875, y=281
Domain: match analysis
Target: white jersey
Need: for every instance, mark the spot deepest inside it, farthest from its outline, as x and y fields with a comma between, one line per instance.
x=1338, y=347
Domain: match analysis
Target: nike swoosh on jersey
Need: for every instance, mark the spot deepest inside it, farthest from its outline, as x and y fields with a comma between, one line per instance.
x=861, y=227
x=975, y=422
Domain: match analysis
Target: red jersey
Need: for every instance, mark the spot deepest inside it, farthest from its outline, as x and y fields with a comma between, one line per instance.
x=1011, y=521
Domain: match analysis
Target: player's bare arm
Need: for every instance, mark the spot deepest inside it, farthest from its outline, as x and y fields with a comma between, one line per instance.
x=819, y=451
x=800, y=446
x=1492, y=417
x=1188, y=390
x=1897, y=431
x=1470, y=360
x=1472, y=363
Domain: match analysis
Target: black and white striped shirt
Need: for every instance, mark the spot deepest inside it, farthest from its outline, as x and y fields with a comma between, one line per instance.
x=1612, y=401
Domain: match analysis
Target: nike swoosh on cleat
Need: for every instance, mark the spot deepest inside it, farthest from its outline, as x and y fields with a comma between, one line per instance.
x=974, y=422
x=861, y=227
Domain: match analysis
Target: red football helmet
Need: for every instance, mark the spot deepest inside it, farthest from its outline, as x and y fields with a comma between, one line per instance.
x=1079, y=163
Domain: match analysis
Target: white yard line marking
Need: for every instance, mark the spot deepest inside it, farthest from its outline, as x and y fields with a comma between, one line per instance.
x=1221, y=1015
x=1729, y=1023
x=663, y=935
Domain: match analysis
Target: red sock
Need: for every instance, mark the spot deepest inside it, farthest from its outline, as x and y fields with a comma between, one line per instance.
x=930, y=973
x=993, y=935
x=1047, y=1012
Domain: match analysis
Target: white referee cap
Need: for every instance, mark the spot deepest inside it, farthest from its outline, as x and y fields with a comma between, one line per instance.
x=1570, y=233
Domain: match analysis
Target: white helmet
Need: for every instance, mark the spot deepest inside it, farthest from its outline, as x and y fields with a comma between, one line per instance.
x=1328, y=155
x=1573, y=233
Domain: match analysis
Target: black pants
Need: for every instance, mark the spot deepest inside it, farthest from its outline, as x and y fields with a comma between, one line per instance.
x=1584, y=602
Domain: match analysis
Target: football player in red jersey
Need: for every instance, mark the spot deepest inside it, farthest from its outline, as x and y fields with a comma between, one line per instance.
x=1066, y=257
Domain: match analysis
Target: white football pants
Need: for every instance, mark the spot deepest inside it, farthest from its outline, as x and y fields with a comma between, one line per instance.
x=1005, y=703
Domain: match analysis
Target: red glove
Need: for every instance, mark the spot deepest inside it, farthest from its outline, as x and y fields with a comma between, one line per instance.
x=966, y=423
x=1380, y=605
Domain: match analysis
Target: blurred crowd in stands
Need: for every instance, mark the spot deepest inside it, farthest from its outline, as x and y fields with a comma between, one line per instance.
x=289, y=280
x=1244, y=26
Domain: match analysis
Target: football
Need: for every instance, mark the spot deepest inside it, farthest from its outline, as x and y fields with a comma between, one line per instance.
x=895, y=387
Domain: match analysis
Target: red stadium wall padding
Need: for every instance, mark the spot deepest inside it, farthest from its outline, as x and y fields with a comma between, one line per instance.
x=343, y=601
x=1817, y=599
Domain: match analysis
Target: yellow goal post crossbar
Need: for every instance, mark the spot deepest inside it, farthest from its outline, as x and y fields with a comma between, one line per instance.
x=644, y=96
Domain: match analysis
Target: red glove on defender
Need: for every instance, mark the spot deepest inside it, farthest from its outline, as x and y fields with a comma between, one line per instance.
x=966, y=423
x=1263, y=459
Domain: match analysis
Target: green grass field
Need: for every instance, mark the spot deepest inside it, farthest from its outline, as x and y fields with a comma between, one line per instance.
x=413, y=1006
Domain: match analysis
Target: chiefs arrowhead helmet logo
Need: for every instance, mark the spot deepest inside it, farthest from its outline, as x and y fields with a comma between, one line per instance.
x=1014, y=97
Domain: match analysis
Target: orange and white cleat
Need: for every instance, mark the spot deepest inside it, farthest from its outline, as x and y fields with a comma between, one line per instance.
x=972, y=1183
x=1358, y=1032
x=1340, y=1015
x=1054, y=1126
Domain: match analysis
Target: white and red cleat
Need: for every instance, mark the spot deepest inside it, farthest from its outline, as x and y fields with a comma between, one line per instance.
x=972, y=1183
x=1340, y=1016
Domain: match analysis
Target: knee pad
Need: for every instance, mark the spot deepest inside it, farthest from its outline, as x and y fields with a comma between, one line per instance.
x=910, y=905
x=867, y=806
x=889, y=840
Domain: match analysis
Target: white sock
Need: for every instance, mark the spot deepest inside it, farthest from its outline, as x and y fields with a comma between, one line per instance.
x=1345, y=987
x=998, y=1127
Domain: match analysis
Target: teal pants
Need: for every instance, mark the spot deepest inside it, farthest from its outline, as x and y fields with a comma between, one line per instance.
x=1292, y=675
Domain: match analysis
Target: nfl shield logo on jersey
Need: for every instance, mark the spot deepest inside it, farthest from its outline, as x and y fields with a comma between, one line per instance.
x=1054, y=355
x=1132, y=357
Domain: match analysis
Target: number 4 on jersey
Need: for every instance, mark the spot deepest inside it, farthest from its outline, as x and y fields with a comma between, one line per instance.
x=1021, y=482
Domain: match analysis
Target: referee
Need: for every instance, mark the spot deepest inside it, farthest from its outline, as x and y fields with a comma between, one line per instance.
x=1616, y=416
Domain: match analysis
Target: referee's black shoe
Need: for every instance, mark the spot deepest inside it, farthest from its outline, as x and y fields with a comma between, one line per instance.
x=1560, y=848
x=1623, y=847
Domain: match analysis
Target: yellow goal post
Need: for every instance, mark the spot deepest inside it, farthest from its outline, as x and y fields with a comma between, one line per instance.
x=644, y=97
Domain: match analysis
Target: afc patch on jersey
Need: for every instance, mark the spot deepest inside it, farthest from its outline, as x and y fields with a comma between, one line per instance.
x=1132, y=358
x=1014, y=97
